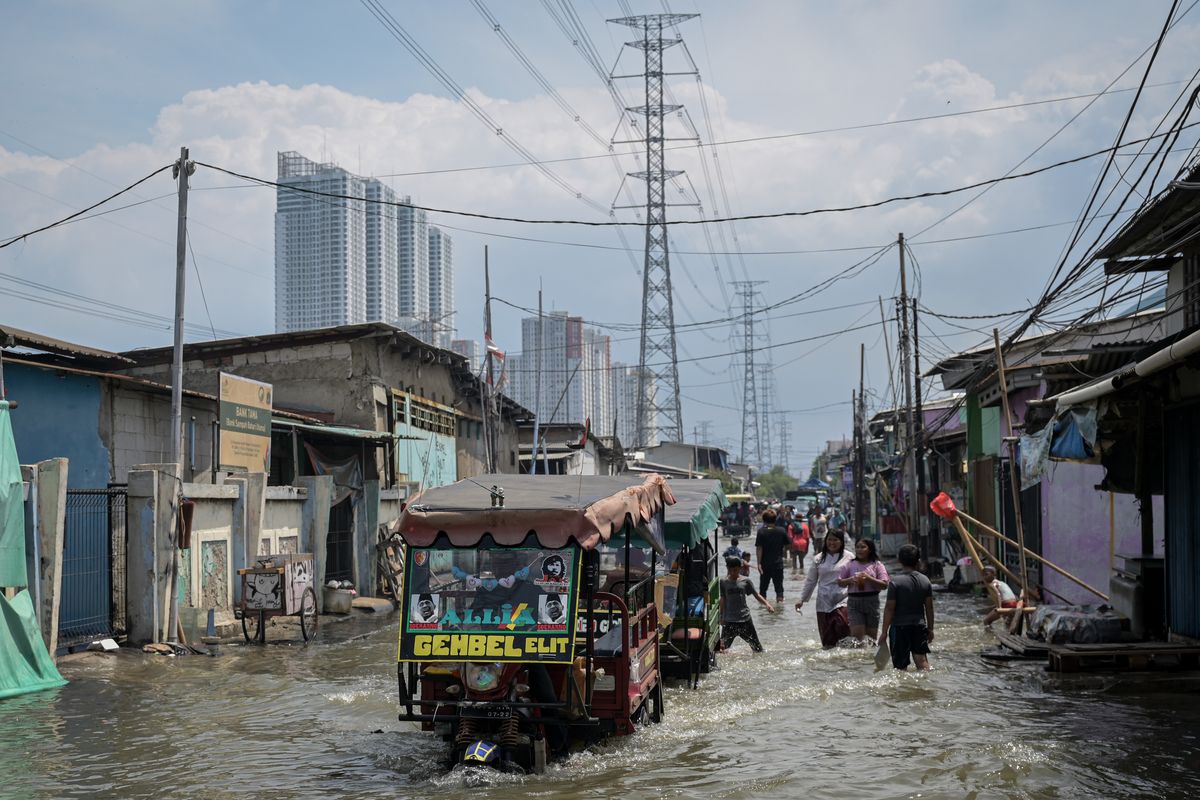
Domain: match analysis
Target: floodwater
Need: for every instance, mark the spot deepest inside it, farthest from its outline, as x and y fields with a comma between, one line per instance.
x=320, y=722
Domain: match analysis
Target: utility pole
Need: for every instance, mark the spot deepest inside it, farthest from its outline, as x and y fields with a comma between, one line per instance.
x=537, y=388
x=182, y=169
x=658, y=360
x=927, y=543
x=908, y=471
x=751, y=431
x=860, y=436
x=489, y=445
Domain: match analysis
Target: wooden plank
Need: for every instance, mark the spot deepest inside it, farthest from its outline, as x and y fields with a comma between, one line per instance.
x=1022, y=645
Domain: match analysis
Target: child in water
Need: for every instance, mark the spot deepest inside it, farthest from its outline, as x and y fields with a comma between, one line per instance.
x=736, y=621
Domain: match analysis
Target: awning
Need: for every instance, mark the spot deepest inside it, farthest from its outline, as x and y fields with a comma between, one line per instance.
x=337, y=430
x=1159, y=360
x=556, y=508
x=694, y=516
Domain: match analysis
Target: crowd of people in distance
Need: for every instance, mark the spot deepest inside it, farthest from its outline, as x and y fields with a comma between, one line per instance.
x=847, y=586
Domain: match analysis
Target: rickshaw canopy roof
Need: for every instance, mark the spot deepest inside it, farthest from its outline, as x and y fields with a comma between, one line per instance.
x=694, y=516
x=555, y=508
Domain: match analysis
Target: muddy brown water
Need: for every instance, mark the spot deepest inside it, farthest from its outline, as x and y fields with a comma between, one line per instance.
x=291, y=721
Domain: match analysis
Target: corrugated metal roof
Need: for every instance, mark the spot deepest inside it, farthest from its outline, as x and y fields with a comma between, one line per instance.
x=15, y=337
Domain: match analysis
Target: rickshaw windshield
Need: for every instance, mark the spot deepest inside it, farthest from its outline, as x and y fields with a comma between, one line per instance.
x=499, y=604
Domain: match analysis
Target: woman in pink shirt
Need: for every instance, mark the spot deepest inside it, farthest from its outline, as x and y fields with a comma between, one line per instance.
x=864, y=577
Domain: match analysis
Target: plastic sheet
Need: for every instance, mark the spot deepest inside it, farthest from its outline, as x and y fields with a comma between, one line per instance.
x=1076, y=624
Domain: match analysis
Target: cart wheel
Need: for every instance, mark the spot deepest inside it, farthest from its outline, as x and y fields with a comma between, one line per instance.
x=308, y=614
x=252, y=626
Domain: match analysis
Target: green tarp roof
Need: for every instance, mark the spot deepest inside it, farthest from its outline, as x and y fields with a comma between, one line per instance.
x=698, y=506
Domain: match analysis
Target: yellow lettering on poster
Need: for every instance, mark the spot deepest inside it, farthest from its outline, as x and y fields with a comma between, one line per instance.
x=476, y=646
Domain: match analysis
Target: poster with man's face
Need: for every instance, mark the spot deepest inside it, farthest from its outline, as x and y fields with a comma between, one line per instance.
x=425, y=608
x=552, y=610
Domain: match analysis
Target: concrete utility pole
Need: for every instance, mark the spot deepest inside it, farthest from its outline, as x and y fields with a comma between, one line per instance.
x=182, y=169
x=908, y=473
x=537, y=388
x=658, y=361
x=489, y=444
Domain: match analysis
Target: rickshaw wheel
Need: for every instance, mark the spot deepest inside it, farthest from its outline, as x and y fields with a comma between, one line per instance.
x=252, y=626
x=308, y=614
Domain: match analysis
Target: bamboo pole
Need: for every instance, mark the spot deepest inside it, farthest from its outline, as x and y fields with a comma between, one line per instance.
x=1037, y=557
x=972, y=544
x=1014, y=472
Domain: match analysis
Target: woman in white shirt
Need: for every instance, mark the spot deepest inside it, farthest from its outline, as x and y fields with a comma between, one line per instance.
x=833, y=620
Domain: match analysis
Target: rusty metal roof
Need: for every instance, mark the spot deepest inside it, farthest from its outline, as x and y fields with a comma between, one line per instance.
x=15, y=337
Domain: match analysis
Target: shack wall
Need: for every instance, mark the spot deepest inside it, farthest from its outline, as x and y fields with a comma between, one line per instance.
x=1080, y=535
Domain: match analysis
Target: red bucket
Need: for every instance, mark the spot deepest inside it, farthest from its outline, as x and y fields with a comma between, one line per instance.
x=943, y=506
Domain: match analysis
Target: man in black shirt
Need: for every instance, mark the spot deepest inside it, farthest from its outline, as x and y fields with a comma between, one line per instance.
x=770, y=546
x=908, y=615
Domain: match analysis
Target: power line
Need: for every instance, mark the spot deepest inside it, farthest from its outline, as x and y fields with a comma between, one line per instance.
x=771, y=137
x=83, y=211
x=712, y=220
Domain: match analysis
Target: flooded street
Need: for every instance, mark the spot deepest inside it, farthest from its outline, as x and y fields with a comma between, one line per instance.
x=320, y=722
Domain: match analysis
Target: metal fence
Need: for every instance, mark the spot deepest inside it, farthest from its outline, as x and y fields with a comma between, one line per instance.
x=339, y=544
x=93, y=570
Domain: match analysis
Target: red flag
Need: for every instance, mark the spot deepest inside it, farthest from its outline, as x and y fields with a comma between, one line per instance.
x=587, y=427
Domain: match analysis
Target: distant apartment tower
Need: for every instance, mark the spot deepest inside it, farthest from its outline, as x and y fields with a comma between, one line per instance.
x=471, y=350
x=383, y=280
x=340, y=262
x=320, y=247
x=414, y=261
x=441, y=286
x=576, y=379
x=625, y=394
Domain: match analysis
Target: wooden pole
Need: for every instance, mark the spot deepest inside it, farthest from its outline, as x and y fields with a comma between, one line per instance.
x=1014, y=472
x=1035, y=556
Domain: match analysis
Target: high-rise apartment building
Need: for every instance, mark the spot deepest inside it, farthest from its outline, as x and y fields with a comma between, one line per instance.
x=340, y=262
x=575, y=368
x=441, y=286
x=320, y=247
x=414, y=261
x=383, y=291
x=625, y=405
x=473, y=352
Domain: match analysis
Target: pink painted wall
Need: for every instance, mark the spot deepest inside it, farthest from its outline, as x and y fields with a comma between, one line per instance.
x=1078, y=533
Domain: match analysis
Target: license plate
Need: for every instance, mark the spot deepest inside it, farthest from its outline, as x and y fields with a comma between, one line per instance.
x=489, y=711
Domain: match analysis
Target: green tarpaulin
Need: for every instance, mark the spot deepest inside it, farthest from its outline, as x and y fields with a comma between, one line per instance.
x=25, y=664
x=698, y=507
x=12, y=506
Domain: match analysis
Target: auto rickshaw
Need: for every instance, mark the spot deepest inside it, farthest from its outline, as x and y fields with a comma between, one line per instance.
x=519, y=638
x=689, y=597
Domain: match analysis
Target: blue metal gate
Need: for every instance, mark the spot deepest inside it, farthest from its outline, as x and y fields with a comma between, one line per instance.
x=1181, y=476
x=93, y=568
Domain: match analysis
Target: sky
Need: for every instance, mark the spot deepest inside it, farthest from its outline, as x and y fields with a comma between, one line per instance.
x=99, y=95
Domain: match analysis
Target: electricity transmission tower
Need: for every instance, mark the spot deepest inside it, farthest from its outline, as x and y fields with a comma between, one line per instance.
x=785, y=427
x=659, y=412
x=751, y=418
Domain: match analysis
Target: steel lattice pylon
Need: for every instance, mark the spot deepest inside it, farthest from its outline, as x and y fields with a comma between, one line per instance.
x=659, y=408
x=751, y=420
